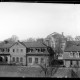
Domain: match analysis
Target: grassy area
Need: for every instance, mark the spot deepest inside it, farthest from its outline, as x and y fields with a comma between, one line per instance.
x=19, y=71
x=24, y=71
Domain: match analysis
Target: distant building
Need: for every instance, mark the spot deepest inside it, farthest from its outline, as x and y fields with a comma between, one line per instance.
x=71, y=56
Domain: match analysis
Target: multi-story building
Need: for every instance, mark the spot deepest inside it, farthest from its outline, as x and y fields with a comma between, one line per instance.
x=5, y=52
x=24, y=53
x=36, y=53
x=18, y=53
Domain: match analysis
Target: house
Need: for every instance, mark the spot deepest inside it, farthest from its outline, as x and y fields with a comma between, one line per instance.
x=5, y=52
x=36, y=53
x=71, y=56
x=18, y=53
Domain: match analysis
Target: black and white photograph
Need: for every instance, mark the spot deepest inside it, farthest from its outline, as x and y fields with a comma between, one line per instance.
x=40, y=40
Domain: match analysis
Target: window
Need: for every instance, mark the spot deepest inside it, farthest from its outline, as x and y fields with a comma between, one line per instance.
x=21, y=59
x=30, y=50
x=30, y=60
x=77, y=54
x=37, y=50
x=13, y=50
x=42, y=49
x=2, y=50
x=71, y=63
x=21, y=50
x=13, y=59
x=36, y=60
x=71, y=54
x=42, y=60
x=17, y=59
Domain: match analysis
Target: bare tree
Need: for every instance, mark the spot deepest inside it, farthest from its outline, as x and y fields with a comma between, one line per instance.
x=77, y=38
x=14, y=38
x=73, y=72
x=49, y=71
x=69, y=38
x=30, y=40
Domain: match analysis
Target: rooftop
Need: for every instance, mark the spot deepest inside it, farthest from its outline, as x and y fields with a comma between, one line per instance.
x=34, y=44
x=72, y=48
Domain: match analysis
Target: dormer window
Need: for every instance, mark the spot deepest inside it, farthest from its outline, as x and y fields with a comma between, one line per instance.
x=30, y=50
x=37, y=50
x=77, y=54
x=42, y=49
x=71, y=54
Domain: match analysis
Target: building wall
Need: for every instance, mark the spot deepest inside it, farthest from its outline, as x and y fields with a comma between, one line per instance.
x=67, y=63
x=23, y=62
x=39, y=60
x=18, y=53
x=67, y=55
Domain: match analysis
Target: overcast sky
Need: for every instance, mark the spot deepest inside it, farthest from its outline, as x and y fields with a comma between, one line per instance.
x=38, y=19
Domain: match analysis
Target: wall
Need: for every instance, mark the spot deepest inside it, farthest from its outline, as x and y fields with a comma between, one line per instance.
x=33, y=60
x=19, y=53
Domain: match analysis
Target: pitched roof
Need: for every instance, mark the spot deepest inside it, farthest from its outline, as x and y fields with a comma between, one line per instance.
x=72, y=48
x=34, y=44
x=6, y=45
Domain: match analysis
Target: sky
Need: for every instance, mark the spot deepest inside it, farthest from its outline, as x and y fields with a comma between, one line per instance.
x=38, y=20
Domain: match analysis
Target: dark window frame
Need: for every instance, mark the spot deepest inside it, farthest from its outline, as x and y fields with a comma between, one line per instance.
x=21, y=59
x=17, y=59
x=36, y=60
x=30, y=60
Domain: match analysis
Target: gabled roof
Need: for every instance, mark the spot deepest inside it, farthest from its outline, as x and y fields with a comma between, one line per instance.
x=72, y=48
x=34, y=44
x=18, y=42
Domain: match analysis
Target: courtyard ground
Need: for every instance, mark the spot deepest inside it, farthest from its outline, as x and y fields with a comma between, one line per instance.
x=24, y=71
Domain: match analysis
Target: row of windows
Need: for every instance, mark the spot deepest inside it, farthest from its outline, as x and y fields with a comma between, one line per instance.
x=37, y=50
x=36, y=60
x=17, y=59
x=74, y=54
x=17, y=50
x=3, y=50
x=21, y=50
